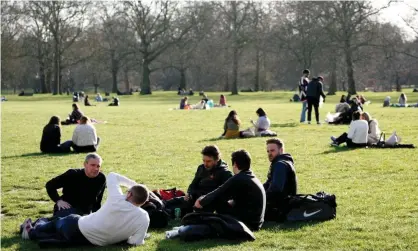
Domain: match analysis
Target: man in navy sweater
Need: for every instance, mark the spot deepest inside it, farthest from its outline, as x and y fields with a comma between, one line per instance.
x=314, y=92
x=281, y=180
x=303, y=85
x=82, y=189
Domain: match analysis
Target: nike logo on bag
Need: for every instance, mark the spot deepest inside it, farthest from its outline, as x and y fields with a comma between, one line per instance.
x=306, y=215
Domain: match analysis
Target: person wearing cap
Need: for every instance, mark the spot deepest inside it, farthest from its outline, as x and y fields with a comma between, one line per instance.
x=303, y=84
x=314, y=92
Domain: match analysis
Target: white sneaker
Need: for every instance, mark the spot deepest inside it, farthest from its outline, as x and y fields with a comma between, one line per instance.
x=171, y=234
x=26, y=227
x=177, y=228
x=147, y=236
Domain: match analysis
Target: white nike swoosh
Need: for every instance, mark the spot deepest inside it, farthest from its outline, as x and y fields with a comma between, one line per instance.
x=306, y=215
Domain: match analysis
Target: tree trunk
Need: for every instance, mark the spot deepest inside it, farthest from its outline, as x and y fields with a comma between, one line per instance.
x=350, y=72
x=96, y=86
x=145, y=85
x=234, y=90
x=398, y=83
x=56, y=69
x=183, y=78
x=257, y=70
x=44, y=88
x=126, y=80
x=333, y=87
x=115, y=69
x=48, y=76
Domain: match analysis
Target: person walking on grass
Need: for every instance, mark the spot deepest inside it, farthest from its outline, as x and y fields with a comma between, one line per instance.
x=314, y=92
x=303, y=84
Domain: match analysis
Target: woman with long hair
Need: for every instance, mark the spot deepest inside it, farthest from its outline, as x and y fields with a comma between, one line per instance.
x=85, y=137
x=231, y=126
x=51, y=138
x=374, y=130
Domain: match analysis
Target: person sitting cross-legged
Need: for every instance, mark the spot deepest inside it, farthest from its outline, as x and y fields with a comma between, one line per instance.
x=82, y=189
x=281, y=180
x=74, y=117
x=209, y=176
x=51, y=137
x=119, y=219
x=242, y=196
x=85, y=137
x=357, y=135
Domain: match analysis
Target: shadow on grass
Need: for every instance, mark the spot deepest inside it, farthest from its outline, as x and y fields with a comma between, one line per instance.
x=337, y=149
x=292, y=124
x=288, y=226
x=195, y=245
x=37, y=154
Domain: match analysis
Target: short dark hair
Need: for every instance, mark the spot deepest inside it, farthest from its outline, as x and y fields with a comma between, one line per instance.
x=277, y=141
x=242, y=158
x=140, y=194
x=356, y=115
x=306, y=71
x=211, y=151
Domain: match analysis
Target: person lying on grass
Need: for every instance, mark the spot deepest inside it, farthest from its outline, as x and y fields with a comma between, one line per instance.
x=242, y=196
x=281, y=180
x=119, y=219
x=51, y=138
x=209, y=176
x=357, y=134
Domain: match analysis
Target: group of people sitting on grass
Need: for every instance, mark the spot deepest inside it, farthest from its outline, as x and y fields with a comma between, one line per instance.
x=80, y=219
x=84, y=138
x=98, y=98
x=402, y=102
x=232, y=126
x=364, y=131
x=204, y=103
x=345, y=109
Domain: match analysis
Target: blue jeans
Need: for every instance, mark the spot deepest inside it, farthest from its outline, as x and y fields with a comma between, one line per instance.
x=66, y=146
x=303, y=114
x=65, y=229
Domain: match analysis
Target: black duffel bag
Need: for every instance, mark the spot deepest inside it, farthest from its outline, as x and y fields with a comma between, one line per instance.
x=308, y=207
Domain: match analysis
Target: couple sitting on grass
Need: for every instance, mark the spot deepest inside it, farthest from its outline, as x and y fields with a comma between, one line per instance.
x=364, y=131
x=79, y=218
x=84, y=137
x=261, y=127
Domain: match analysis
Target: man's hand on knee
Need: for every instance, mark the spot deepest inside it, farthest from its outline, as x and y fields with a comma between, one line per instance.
x=63, y=205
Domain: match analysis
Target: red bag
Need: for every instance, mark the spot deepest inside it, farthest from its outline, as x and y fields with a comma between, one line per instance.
x=168, y=194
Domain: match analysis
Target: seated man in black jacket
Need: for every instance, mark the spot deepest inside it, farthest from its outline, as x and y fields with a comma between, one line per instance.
x=82, y=189
x=209, y=176
x=281, y=180
x=242, y=196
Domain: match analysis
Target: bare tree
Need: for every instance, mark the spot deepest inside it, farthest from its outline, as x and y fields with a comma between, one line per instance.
x=154, y=26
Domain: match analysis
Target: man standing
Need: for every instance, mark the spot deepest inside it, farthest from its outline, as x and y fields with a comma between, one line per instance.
x=209, y=176
x=242, y=196
x=82, y=189
x=281, y=180
x=314, y=91
x=119, y=219
x=303, y=84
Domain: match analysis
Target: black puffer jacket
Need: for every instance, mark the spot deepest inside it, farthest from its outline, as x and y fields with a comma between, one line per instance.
x=219, y=226
x=205, y=181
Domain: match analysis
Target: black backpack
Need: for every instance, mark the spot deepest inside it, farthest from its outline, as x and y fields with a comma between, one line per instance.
x=308, y=207
x=157, y=214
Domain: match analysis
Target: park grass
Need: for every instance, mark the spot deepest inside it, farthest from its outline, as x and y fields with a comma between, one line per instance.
x=376, y=189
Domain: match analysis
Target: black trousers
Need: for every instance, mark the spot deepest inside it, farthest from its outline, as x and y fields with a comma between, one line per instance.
x=312, y=101
x=344, y=139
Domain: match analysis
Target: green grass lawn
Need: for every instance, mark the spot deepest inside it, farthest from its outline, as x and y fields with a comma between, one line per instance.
x=376, y=190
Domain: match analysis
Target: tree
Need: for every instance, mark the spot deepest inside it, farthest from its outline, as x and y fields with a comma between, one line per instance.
x=154, y=26
x=349, y=23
